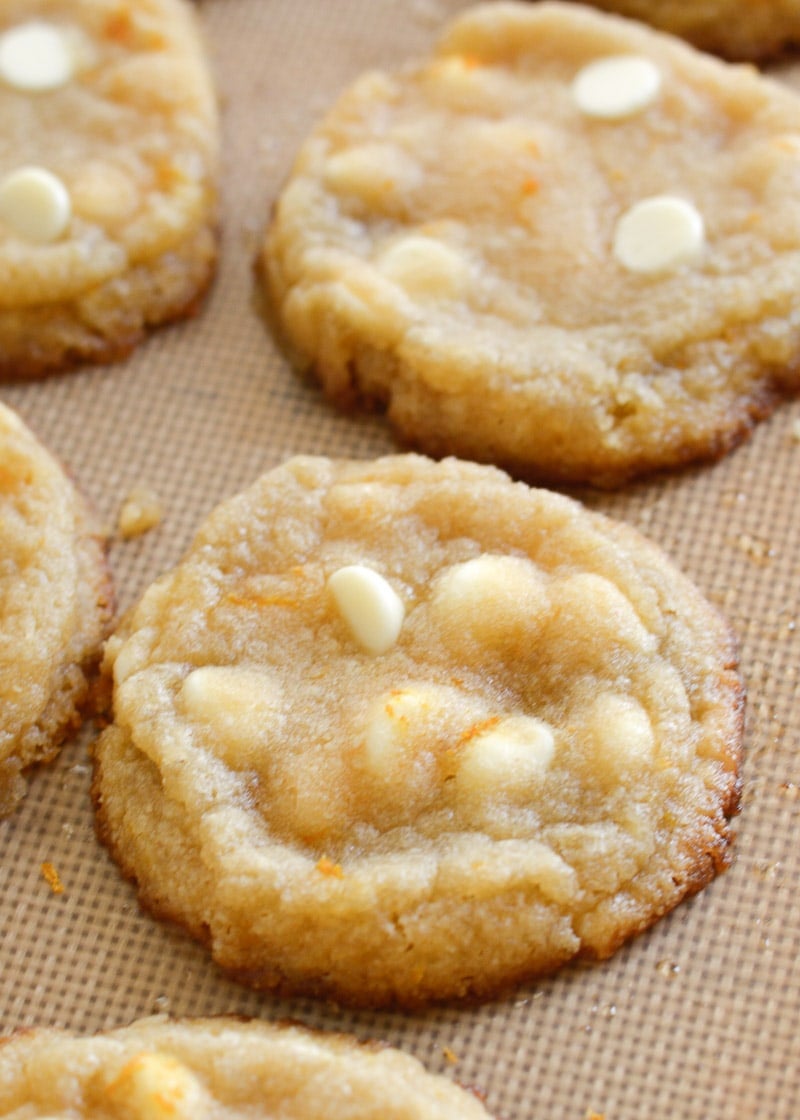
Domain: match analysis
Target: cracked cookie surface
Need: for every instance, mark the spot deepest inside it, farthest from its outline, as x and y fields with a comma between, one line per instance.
x=524, y=267
x=108, y=165
x=228, y=1069
x=404, y=731
x=55, y=605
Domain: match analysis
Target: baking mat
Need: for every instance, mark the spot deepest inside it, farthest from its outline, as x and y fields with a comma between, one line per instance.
x=700, y=1017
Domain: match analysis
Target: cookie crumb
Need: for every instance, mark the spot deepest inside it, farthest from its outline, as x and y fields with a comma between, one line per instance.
x=52, y=878
x=759, y=551
x=140, y=512
x=668, y=968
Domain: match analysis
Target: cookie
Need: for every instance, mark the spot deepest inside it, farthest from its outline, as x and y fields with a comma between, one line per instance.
x=407, y=731
x=564, y=244
x=231, y=1069
x=727, y=27
x=55, y=605
x=108, y=164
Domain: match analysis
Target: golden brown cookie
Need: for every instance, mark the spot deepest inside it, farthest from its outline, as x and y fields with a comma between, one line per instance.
x=225, y=1068
x=753, y=30
x=55, y=605
x=564, y=244
x=108, y=164
x=405, y=731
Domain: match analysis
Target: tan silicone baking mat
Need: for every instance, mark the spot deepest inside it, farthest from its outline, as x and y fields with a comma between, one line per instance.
x=700, y=1017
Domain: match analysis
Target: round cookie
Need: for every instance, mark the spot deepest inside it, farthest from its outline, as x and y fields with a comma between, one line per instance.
x=580, y=273
x=55, y=605
x=749, y=31
x=406, y=731
x=226, y=1068
x=108, y=162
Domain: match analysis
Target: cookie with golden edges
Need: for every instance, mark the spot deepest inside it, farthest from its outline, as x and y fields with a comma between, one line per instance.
x=737, y=31
x=108, y=167
x=231, y=1069
x=55, y=605
x=579, y=276
x=401, y=731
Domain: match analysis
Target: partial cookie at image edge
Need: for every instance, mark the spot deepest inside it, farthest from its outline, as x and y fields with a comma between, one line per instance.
x=57, y=562
x=102, y=243
x=399, y=263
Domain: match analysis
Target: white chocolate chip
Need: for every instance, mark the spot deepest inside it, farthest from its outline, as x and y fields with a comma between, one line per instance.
x=621, y=733
x=35, y=204
x=104, y=193
x=391, y=728
x=156, y=1087
x=372, y=171
x=237, y=703
x=424, y=266
x=508, y=756
x=594, y=606
x=492, y=599
x=35, y=56
x=369, y=605
x=616, y=87
x=659, y=234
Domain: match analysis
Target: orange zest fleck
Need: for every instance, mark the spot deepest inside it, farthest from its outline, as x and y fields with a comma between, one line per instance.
x=787, y=144
x=449, y=1055
x=166, y=174
x=478, y=729
x=327, y=867
x=119, y=27
x=255, y=602
x=52, y=878
x=530, y=186
x=470, y=61
x=11, y=481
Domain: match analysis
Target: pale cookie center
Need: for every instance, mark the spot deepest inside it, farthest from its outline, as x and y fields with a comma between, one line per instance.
x=659, y=234
x=369, y=605
x=156, y=1087
x=35, y=56
x=35, y=204
x=616, y=87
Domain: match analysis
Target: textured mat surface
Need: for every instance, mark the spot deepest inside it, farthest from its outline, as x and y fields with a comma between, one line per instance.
x=698, y=1019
